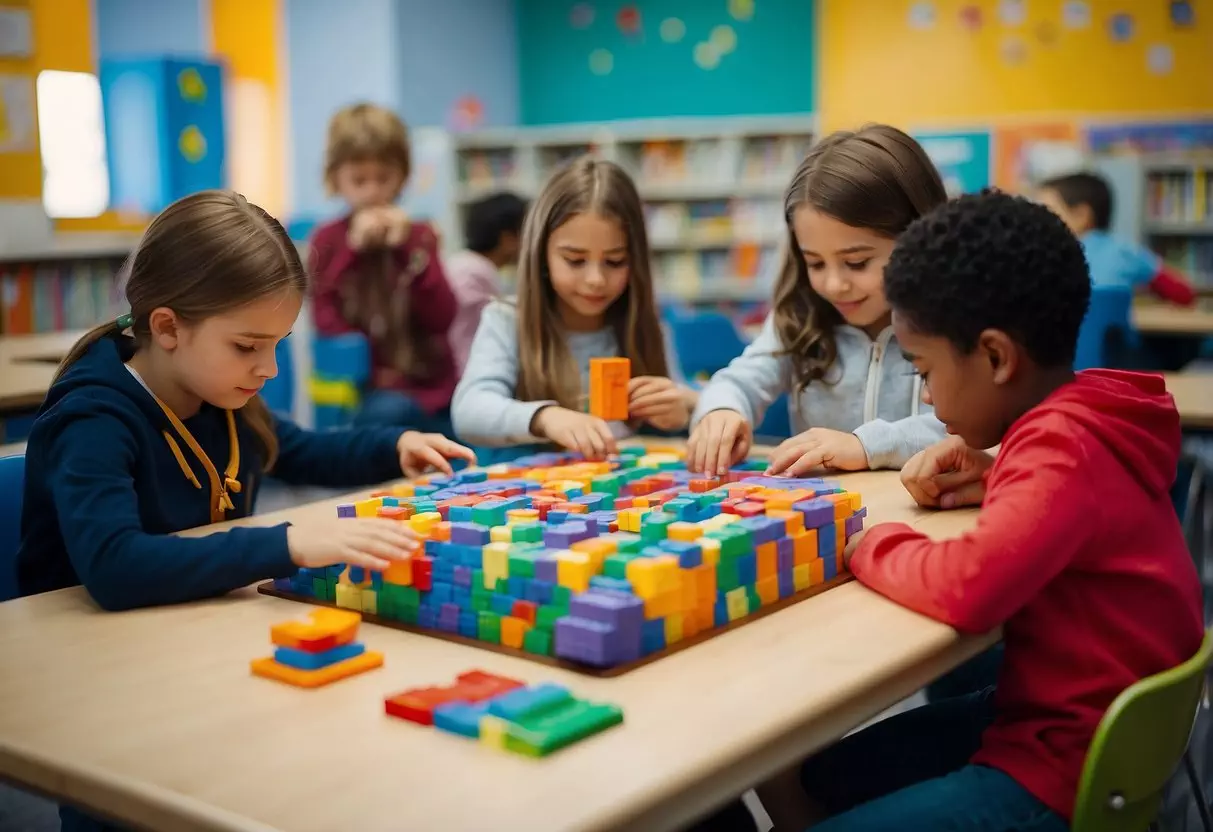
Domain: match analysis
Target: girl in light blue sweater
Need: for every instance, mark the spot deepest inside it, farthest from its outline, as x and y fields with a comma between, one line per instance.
x=855, y=402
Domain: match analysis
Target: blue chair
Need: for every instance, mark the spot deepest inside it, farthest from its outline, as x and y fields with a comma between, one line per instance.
x=12, y=486
x=279, y=392
x=776, y=423
x=341, y=369
x=1104, y=339
x=705, y=341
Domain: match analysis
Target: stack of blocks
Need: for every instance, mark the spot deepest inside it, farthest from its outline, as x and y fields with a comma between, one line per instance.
x=317, y=652
x=598, y=563
x=504, y=713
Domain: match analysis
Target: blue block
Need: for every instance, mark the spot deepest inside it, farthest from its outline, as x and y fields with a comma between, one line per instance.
x=460, y=718
x=357, y=574
x=747, y=569
x=440, y=593
x=303, y=660
x=443, y=572
x=469, y=624
x=390, y=502
x=502, y=604
x=616, y=584
x=786, y=585
x=376, y=581
x=827, y=542
x=462, y=576
x=472, y=476
x=556, y=517
x=689, y=555
x=517, y=586
x=427, y=616
x=652, y=636
x=763, y=529
x=460, y=514
x=540, y=591
x=720, y=613
x=516, y=704
x=462, y=595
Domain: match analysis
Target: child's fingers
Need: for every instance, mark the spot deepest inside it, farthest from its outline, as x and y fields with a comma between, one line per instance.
x=432, y=456
x=662, y=399
x=786, y=454
x=608, y=438
x=971, y=494
x=724, y=447
x=356, y=557
x=814, y=458
x=453, y=450
x=392, y=532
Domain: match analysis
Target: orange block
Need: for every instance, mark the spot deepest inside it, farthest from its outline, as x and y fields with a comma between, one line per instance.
x=271, y=669
x=793, y=520
x=768, y=560
x=842, y=505
x=703, y=577
x=399, y=572
x=817, y=572
x=339, y=626
x=441, y=531
x=804, y=547
x=768, y=590
x=513, y=630
x=609, y=379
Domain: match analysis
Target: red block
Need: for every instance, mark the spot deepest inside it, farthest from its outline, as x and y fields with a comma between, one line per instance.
x=418, y=705
x=749, y=509
x=423, y=573
x=526, y=610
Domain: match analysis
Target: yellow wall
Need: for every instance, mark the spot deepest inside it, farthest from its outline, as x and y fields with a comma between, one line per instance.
x=247, y=35
x=875, y=66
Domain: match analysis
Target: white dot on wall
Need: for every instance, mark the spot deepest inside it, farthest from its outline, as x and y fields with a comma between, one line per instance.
x=706, y=56
x=1076, y=14
x=1012, y=12
x=724, y=39
x=673, y=30
x=1160, y=59
x=922, y=15
x=601, y=62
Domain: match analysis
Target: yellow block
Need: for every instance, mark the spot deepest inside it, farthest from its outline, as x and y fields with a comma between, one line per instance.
x=737, y=602
x=687, y=532
x=673, y=629
x=425, y=522
x=642, y=575
x=493, y=731
x=629, y=519
x=500, y=534
x=669, y=577
x=370, y=601
x=495, y=561
x=522, y=515
x=270, y=669
x=802, y=577
x=856, y=501
x=369, y=507
x=711, y=550
x=574, y=570
x=349, y=596
x=655, y=459
x=598, y=548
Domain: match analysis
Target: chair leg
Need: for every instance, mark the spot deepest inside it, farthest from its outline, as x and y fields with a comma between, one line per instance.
x=1202, y=805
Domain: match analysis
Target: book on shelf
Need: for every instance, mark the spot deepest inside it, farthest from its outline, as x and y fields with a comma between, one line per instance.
x=52, y=297
x=1184, y=197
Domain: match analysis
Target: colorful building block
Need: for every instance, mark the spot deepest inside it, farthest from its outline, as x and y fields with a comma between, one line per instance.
x=609, y=379
x=317, y=652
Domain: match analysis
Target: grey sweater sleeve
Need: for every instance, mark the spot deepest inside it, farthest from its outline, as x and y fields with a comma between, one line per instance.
x=891, y=444
x=484, y=410
x=751, y=382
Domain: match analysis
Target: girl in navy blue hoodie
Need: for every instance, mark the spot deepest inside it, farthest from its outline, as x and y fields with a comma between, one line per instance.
x=154, y=425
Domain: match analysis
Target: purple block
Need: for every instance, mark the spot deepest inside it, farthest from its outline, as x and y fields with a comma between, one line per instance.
x=620, y=609
x=785, y=554
x=787, y=483
x=546, y=569
x=462, y=576
x=764, y=529
x=346, y=510
x=469, y=534
x=283, y=584
x=786, y=585
x=593, y=642
x=563, y=535
x=817, y=512
x=448, y=612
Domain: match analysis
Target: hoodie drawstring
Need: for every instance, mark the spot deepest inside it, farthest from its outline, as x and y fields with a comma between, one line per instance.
x=221, y=490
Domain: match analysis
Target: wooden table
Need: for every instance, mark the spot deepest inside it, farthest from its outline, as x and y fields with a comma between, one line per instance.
x=28, y=364
x=1154, y=318
x=152, y=716
x=1193, y=393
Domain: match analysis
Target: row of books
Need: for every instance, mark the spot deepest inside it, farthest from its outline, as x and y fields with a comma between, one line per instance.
x=52, y=297
x=718, y=221
x=1180, y=197
x=745, y=267
x=1191, y=255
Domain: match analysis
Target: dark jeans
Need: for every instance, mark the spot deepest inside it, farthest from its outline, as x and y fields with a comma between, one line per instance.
x=391, y=408
x=977, y=674
x=911, y=771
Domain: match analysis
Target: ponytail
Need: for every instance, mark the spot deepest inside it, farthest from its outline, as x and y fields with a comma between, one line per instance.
x=105, y=330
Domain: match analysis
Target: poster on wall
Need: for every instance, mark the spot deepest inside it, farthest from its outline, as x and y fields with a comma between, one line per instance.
x=1027, y=153
x=1152, y=137
x=963, y=159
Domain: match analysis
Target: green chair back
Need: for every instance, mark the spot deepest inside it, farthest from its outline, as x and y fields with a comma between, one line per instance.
x=1138, y=746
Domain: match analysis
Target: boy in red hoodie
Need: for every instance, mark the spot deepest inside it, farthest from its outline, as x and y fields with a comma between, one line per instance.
x=1077, y=553
x=376, y=273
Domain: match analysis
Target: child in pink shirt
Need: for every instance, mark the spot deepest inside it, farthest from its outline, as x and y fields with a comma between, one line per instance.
x=491, y=232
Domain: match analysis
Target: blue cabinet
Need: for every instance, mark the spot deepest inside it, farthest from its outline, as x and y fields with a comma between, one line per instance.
x=164, y=130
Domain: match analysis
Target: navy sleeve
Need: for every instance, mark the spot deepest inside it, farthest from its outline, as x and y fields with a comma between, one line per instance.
x=121, y=565
x=337, y=458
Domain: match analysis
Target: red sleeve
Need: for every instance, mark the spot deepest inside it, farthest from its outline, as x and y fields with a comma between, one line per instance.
x=1031, y=525
x=1171, y=286
x=433, y=302
x=329, y=258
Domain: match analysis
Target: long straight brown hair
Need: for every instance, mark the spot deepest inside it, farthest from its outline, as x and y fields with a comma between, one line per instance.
x=545, y=368
x=876, y=178
x=204, y=255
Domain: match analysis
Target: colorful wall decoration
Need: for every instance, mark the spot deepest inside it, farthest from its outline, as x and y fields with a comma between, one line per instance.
x=1027, y=153
x=583, y=61
x=963, y=158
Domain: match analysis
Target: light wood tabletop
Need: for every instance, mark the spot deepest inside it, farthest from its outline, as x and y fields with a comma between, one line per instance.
x=1193, y=394
x=28, y=364
x=1154, y=318
x=152, y=716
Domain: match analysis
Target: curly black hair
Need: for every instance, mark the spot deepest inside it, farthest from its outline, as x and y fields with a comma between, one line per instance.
x=992, y=261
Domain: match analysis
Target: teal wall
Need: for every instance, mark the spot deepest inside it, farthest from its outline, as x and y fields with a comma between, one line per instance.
x=770, y=69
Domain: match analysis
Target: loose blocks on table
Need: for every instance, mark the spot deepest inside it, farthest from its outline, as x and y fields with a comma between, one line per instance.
x=504, y=713
x=313, y=653
x=609, y=379
x=599, y=564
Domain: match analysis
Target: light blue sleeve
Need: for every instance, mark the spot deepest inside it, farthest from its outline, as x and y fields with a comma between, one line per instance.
x=1140, y=265
x=484, y=410
x=751, y=382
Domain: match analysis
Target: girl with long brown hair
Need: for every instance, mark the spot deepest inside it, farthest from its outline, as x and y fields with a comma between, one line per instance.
x=153, y=425
x=585, y=290
x=854, y=401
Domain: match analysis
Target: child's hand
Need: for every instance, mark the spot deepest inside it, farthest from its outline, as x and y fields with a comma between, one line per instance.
x=421, y=451
x=948, y=474
x=396, y=225
x=818, y=448
x=658, y=401
x=581, y=432
x=719, y=441
x=368, y=229
x=369, y=542
x=852, y=545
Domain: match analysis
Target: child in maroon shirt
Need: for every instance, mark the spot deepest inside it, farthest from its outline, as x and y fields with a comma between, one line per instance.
x=376, y=273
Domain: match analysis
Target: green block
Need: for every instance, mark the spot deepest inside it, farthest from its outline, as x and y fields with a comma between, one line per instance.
x=607, y=484
x=503, y=586
x=424, y=490
x=654, y=526
x=407, y=614
x=547, y=616
x=388, y=607
x=320, y=588
x=424, y=506
x=527, y=533
x=751, y=595
x=562, y=596
x=672, y=465
x=628, y=543
x=482, y=599
x=478, y=577
x=727, y=575
x=410, y=596
x=522, y=566
x=707, y=499
x=537, y=641
x=616, y=565
x=491, y=515
x=489, y=627
x=733, y=541
x=539, y=734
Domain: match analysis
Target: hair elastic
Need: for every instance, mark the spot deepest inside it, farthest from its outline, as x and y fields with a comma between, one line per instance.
x=125, y=321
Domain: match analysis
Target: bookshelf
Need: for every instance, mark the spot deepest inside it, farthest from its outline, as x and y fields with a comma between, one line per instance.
x=1178, y=212
x=713, y=190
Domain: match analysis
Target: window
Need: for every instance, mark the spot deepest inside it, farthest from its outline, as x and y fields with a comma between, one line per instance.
x=71, y=131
